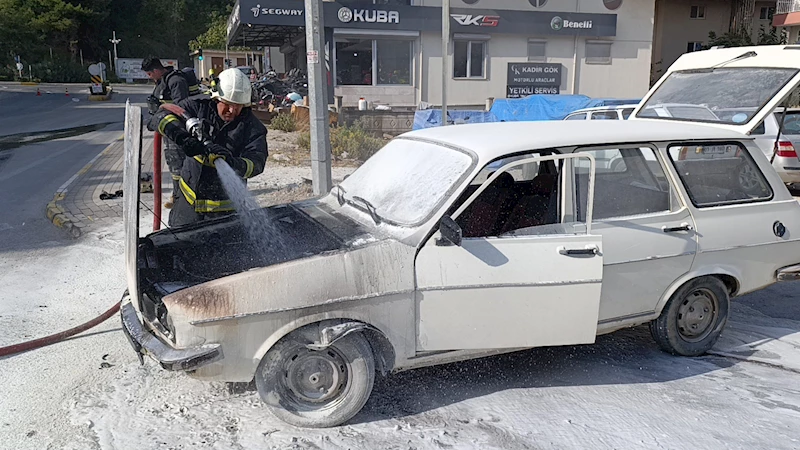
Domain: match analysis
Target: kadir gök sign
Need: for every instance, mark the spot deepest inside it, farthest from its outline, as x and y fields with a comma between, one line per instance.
x=533, y=78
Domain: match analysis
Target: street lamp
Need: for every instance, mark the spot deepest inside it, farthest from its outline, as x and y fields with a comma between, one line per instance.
x=115, y=41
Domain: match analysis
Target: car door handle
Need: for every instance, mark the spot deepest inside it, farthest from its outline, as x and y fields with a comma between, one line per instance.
x=588, y=250
x=683, y=227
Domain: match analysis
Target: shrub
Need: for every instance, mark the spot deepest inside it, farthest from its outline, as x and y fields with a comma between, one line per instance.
x=304, y=141
x=350, y=141
x=283, y=122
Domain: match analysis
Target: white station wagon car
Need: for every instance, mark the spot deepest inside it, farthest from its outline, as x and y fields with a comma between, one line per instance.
x=424, y=255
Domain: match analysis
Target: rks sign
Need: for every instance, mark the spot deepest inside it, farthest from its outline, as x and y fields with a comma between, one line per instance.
x=477, y=20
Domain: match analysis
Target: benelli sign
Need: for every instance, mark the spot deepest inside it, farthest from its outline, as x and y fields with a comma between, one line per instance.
x=478, y=21
x=348, y=15
x=557, y=24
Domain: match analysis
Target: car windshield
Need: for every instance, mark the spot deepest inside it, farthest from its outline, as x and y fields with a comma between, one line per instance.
x=748, y=89
x=406, y=181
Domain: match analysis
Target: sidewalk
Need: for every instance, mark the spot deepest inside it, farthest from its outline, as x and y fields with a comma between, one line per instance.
x=76, y=205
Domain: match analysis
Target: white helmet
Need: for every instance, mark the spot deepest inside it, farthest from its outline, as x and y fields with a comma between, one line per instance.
x=233, y=87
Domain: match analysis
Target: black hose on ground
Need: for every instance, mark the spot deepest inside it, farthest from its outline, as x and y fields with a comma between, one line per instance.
x=58, y=337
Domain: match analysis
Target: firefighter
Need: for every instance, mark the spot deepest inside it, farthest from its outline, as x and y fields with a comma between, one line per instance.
x=171, y=87
x=232, y=133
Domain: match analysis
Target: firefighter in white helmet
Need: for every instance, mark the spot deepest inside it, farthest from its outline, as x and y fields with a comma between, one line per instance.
x=228, y=130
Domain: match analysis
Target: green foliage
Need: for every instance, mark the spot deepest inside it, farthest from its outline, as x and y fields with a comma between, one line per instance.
x=352, y=142
x=60, y=71
x=283, y=122
x=46, y=33
x=743, y=38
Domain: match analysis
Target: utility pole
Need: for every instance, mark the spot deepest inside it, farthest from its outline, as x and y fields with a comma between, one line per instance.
x=115, y=41
x=317, y=91
x=445, y=56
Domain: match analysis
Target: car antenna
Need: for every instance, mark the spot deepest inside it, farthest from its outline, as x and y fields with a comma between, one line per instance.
x=166, y=227
x=749, y=54
x=780, y=130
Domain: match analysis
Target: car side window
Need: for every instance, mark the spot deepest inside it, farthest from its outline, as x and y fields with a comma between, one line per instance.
x=524, y=200
x=604, y=115
x=760, y=129
x=629, y=182
x=627, y=113
x=716, y=174
x=581, y=116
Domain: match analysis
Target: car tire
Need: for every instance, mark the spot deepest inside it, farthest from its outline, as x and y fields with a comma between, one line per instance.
x=693, y=318
x=316, y=388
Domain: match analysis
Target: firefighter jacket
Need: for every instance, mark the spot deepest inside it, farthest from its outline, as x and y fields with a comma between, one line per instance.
x=172, y=87
x=245, y=137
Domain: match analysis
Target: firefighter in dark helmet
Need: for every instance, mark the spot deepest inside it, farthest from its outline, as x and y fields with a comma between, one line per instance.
x=227, y=130
x=171, y=87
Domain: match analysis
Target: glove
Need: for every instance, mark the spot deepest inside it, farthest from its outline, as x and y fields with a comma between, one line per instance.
x=217, y=151
x=192, y=147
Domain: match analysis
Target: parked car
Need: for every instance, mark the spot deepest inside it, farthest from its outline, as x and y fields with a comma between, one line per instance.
x=786, y=160
x=614, y=112
x=607, y=160
x=423, y=257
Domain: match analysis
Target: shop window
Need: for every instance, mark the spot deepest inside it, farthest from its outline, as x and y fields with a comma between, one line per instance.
x=767, y=12
x=392, y=2
x=538, y=3
x=598, y=52
x=537, y=50
x=694, y=47
x=357, y=60
x=697, y=12
x=469, y=59
x=354, y=62
x=394, y=62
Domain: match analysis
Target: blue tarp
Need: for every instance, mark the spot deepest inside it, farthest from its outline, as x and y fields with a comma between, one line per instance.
x=433, y=117
x=547, y=107
x=532, y=108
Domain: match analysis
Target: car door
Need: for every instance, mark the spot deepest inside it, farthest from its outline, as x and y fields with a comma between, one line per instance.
x=648, y=233
x=538, y=285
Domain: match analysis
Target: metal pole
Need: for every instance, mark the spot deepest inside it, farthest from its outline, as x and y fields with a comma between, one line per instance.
x=109, y=61
x=114, y=41
x=445, y=56
x=81, y=57
x=317, y=91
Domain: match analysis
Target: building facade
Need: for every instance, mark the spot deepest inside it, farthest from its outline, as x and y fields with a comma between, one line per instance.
x=390, y=51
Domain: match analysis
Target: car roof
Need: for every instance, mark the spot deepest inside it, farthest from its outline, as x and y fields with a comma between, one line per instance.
x=603, y=108
x=494, y=140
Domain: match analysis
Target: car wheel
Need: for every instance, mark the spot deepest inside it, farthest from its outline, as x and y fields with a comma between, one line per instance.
x=316, y=388
x=693, y=318
x=749, y=179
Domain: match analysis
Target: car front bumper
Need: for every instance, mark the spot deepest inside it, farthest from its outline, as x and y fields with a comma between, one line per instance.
x=144, y=342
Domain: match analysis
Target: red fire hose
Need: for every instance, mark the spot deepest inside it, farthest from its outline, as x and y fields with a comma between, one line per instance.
x=157, y=181
x=58, y=337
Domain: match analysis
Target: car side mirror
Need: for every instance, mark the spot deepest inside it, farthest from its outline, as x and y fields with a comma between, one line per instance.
x=451, y=232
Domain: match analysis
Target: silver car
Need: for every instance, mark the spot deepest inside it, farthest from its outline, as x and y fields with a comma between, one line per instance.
x=786, y=160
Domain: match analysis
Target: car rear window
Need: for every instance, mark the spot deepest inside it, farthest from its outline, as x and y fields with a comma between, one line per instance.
x=716, y=174
x=605, y=115
x=791, y=124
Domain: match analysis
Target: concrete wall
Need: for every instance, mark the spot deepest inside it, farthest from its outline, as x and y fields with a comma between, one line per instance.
x=676, y=29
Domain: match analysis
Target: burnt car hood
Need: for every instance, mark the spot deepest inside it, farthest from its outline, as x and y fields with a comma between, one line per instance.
x=177, y=258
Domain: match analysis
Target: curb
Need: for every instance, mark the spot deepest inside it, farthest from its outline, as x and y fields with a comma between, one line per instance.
x=28, y=83
x=56, y=214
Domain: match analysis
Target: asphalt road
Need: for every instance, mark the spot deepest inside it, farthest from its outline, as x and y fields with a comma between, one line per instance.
x=30, y=174
x=89, y=391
